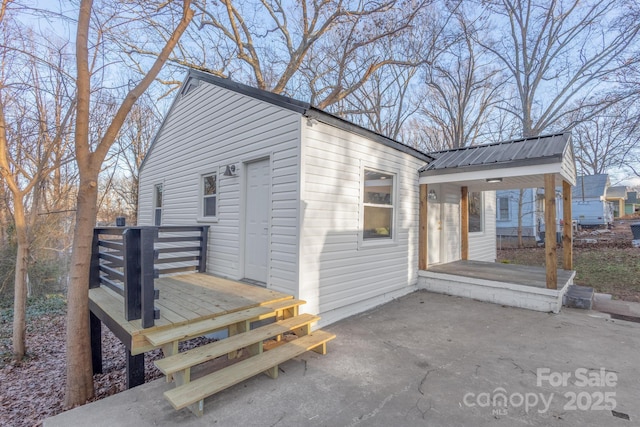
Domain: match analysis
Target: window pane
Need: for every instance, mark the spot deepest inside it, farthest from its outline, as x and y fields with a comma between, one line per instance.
x=503, y=212
x=158, y=196
x=209, y=206
x=475, y=212
x=378, y=188
x=377, y=222
x=210, y=185
x=158, y=217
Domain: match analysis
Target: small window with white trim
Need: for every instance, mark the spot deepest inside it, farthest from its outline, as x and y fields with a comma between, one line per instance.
x=157, y=204
x=476, y=214
x=503, y=209
x=210, y=195
x=378, y=205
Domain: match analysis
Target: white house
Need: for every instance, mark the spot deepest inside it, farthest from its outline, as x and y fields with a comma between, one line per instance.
x=303, y=202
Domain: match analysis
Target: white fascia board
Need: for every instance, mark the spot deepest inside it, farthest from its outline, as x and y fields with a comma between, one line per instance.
x=521, y=171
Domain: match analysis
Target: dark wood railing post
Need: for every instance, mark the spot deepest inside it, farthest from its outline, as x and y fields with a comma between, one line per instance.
x=95, y=326
x=147, y=274
x=132, y=288
x=94, y=266
x=204, y=243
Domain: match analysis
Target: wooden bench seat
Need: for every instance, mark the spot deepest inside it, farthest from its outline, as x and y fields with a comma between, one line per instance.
x=203, y=327
x=185, y=360
x=192, y=394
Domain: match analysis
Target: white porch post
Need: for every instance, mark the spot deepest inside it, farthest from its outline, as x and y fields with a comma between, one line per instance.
x=550, y=230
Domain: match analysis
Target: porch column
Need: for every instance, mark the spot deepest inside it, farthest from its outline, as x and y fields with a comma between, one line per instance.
x=551, y=259
x=422, y=229
x=567, y=228
x=464, y=226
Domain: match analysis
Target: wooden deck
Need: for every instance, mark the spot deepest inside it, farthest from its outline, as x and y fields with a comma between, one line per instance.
x=184, y=299
x=507, y=273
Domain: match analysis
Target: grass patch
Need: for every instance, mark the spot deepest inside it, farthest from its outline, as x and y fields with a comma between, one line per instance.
x=614, y=271
x=36, y=307
x=611, y=270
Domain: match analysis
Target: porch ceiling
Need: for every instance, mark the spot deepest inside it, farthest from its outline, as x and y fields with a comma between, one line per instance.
x=520, y=163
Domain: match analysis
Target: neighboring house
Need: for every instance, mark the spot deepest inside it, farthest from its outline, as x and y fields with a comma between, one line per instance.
x=632, y=204
x=507, y=209
x=306, y=203
x=590, y=206
x=617, y=196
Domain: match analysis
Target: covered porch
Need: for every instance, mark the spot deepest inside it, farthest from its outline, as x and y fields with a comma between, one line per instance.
x=507, y=284
x=545, y=162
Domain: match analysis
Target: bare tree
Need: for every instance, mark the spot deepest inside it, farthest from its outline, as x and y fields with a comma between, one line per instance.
x=562, y=56
x=89, y=157
x=33, y=96
x=461, y=89
x=604, y=142
x=317, y=50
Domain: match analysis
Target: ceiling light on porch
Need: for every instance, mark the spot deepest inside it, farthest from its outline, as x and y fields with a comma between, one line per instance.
x=493, y=180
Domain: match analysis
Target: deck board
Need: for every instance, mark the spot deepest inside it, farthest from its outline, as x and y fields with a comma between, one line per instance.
x=184, y=299
x=499, y=272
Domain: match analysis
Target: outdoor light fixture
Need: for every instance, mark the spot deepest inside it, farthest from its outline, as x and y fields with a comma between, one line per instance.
x=230, y=170
x=433, y=195
x=493, y=180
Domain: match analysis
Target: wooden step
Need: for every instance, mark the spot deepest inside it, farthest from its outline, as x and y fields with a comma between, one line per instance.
x=196, y=391
x=203, y=327
x=193, y=357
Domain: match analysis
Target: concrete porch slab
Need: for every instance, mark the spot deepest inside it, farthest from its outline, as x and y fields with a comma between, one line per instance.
x=424, y=359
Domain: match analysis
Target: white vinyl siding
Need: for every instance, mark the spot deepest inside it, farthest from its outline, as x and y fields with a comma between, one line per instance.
x=338, y=277
x=482, y=246
x=215, y=126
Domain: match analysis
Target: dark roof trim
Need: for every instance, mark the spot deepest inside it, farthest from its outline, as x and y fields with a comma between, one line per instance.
x=305, y=109
x=263, y=95
x=508, y=141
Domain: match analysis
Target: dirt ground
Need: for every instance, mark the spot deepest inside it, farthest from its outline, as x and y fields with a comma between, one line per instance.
x=34, y=389
x=603, y=259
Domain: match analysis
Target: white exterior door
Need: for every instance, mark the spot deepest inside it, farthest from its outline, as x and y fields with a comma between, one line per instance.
x=256, y=241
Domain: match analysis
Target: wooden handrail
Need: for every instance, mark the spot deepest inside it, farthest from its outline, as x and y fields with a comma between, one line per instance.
x=126, y=262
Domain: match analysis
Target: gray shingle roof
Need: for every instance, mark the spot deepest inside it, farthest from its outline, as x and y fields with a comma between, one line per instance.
x=594, y=186
x=619, y=191
x=517, y=152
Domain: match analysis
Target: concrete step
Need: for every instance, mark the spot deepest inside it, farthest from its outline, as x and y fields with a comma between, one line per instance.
x=579, y=297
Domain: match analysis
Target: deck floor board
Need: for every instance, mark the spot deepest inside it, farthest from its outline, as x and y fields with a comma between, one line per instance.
x=184, y=299
x=499, y=272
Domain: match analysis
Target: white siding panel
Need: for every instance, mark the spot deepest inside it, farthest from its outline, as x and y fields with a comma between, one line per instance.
x=205, y=131
x=482, y=246
x=337, y=273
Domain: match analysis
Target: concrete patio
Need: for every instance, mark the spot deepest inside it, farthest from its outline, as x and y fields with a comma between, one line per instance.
x=425, y=359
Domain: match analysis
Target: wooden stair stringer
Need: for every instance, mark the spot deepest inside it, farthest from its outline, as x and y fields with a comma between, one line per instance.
x=202, y=354
x=192, y=394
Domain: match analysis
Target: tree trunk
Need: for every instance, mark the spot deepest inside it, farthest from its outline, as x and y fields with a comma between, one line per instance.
x=20, y=284
x=79, y=373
